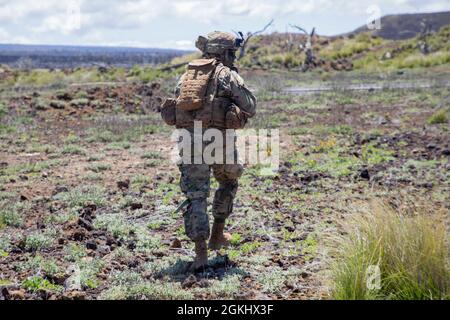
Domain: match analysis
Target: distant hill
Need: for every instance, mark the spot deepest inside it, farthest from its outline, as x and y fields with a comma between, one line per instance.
x=53, y=56
x=406, y=26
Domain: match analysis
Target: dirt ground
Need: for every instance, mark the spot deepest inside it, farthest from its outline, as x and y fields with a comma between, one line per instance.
x=88, y=191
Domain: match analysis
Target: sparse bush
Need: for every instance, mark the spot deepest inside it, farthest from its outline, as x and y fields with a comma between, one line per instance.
x=3, y=111
x=38, y=241
x=411, y=251
x=152, y=163
x=5, y=245
x=73, y=149
x=147, y=290
x=82, y=196
x=99, y=167
x=227, y=287
x=75, y=252
x=152, y=155
x=272, y=281
x=79, y=102
x=11, y=213
x=114, y=223
x=36, y=283
x=440, y=116
x=89, y=271
x=39, y=264
x=56, y=104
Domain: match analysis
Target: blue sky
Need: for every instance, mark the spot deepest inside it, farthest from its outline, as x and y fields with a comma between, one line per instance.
x=177, y=23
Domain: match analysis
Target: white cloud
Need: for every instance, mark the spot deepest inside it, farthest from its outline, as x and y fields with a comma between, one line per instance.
x=5, y=37
x=139, y=21
x=3, y=34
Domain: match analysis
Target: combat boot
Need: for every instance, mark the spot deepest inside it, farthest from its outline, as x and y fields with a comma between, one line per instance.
x=219, y=239
x=201, y=255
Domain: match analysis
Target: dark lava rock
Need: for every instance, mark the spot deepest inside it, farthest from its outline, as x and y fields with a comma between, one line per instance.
x=74, y=295
x=125, y=184
x=189, y=282
x=85, y=224
x=79, y=235
x=91, y=245
x=104, y=250
x=364, y=173
x=136, y=205
x=65, y=96
x=57, y=105
x=110, y=240
x=131, y=245
x=88, y=212
x=133, y=264
x=176, y=244
x=305, y=274
x=60, y=189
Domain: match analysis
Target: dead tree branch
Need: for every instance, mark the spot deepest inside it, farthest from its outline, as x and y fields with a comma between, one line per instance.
x=307, y=46
x=246, y=39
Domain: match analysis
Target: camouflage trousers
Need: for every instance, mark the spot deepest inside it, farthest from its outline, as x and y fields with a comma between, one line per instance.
x=195, y=183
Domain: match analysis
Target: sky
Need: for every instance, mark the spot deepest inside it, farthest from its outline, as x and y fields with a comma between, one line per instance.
x=177, y=23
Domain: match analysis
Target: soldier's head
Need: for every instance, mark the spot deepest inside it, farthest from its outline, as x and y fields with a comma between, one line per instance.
x=219, y=45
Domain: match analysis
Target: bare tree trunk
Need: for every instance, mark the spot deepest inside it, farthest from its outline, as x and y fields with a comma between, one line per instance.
x=246, y=39
x=307, y=46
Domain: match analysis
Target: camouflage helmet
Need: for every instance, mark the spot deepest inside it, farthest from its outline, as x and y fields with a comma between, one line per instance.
x=217, y=42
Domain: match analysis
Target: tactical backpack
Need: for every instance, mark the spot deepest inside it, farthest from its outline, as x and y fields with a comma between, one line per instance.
x=197, y=100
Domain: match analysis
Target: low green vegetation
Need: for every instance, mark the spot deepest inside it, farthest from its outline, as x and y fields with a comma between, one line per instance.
x=440, y=116
x=82, y=196
x=36, y=283
x=385, y=254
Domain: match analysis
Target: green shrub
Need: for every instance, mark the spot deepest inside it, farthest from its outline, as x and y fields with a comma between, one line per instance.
x=73, y=149
x=3, y=111
x=38, y=241
x=11, y=214
x=82, y=196
x=36, y=283
x=79, y=102
x=438, y=117
x=411, y=252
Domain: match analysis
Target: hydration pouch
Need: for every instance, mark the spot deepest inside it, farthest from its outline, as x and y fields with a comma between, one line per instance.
x=193, y=91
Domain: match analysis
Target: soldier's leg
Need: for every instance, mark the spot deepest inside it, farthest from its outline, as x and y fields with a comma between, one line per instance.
x=195, y=184
x=227, y=175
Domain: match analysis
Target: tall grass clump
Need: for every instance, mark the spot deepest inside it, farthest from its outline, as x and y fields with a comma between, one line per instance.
x=410, y=250
x=439, y=117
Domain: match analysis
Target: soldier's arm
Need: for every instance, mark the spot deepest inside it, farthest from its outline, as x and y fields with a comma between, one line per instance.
x=233, y=85
x=242, y=96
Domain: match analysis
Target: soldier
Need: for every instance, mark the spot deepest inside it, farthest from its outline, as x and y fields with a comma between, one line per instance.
x=212, y=92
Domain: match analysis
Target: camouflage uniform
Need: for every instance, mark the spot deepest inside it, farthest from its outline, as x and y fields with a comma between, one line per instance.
x=195, y=178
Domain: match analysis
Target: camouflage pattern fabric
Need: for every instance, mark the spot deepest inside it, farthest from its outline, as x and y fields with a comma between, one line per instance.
x=216, y=42
x=195, y=178
x=195, y=184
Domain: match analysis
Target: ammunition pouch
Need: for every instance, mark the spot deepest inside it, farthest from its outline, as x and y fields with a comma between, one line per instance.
x=235, y=118
x=168, y=112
